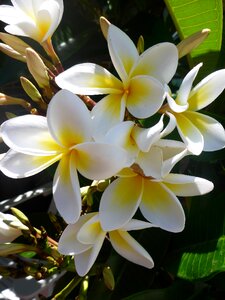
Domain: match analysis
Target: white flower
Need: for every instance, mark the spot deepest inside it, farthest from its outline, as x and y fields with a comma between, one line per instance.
x=85, y=238
x=140, y=89
x=65, y=135
x=155, y=196
x=10, y=228
x=35, y=19
x=198, y=131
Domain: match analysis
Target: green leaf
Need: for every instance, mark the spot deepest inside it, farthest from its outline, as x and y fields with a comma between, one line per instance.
x=191, y=16
x=200, y=250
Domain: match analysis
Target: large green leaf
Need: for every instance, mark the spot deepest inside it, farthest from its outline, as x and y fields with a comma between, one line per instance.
x=191, y=16
x=199, y=252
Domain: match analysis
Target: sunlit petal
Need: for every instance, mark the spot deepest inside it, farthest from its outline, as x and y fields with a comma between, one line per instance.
x=119, y=202
x=74, y=124
x=212, y=131
x=175, y=106
x=122, y=51
x=207, y=90
x=145, y=137
x=145, y=96
x=100, y=161
x=185, y=185
x=107, y=113
x=19, y=165
x=90, y=231
x=89, y=79
x=66, y=189
x=151, y=162
x=161, y=207
x=159, y=61
x=170, y=126
x=29, y=134
x=130, y=249
x=190, y=134
x=68, y=242
x=85, y=260
x=135, y=224
x=186, y=85
x=9, y=15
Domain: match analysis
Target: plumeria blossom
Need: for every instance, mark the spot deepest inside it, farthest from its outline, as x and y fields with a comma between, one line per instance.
x=84, y=240
x=10, y=228
x=65, y=135
x=37, y=19
x=140, y=89
x=198, y=131
x=139, y=186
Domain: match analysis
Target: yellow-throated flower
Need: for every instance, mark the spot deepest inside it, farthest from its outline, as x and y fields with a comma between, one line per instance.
x=140, y=88
x=84, y=240
x=65, y=135
x=199, y=132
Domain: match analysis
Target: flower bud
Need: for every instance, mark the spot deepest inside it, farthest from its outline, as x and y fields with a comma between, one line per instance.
x=141, y=44
x=8, y=249
x=108, y=278
x=20, y=216
x=191, y=42
x=32, y=92
x=104, y=24
x=15, y=43
x=6, y=49
x=8, y=100
x=10, y=228
x=37, y=68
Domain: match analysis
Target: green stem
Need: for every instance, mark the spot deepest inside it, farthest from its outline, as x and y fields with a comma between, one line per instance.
x=68, y=289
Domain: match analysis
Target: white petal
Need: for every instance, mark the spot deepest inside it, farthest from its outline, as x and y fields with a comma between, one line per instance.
x=9, y=15
x=66, y=189
x=130, y=249
x=85, y=260
x=145, y=137
x=161, y=207
x=29, y=134
x=100, y=161
x=207, y=90
x=122, y=51
x=186, y=85
x=212, y=131
x=89, y=79
x=68, y=242
x=190, y=134
x=135, y=224
x=186, y=186
x=19, y=165
x=151, y=162
x=170, y=126
x=119, y=202
x=159, y=61
x=69, y=119
x=90, y=231
x=175, y=106
x=145, y=97
x=107, y=113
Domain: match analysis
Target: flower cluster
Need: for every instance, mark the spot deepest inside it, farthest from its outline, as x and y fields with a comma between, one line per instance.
x=109, y=143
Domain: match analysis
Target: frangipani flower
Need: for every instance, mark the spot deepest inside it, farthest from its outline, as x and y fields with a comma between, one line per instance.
x=156, y=197
x=35, y=19
x=154, y=155
x=10, y=228
x=140, y=89
x=198, y=131
x=65, y=135
x=84, y=240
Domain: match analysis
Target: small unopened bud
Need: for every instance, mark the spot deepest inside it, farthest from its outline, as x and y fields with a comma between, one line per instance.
x=104, y=24
x=192, y=42
x=37, y=68
x=6, y=49
x=32, y=92
x=8, y=100
x=141, y=45
x=15, y=43
x=11, y=248
x=102, y=185
x=108, y=278
x=20, y=215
